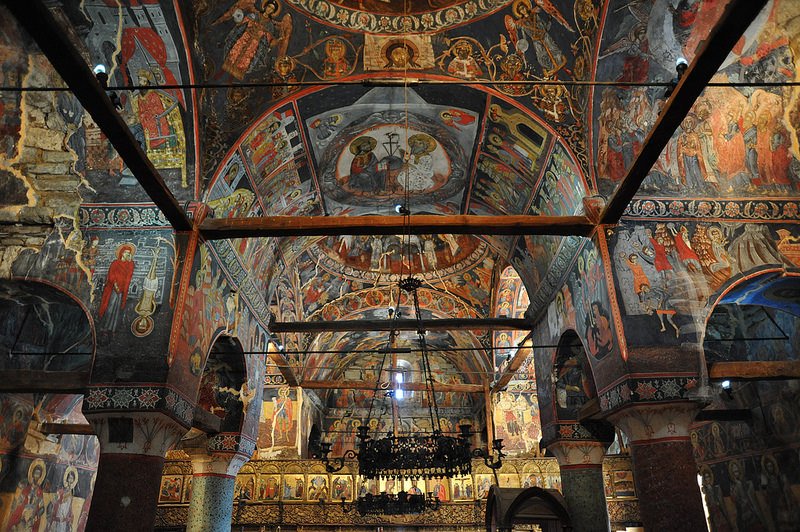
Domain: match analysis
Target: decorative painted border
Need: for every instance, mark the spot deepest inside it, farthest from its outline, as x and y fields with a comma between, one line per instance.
x=556, y=275
x=121, y=216
x=758, y=209
x=646, y=390
x=232, y=442
x=362, y=22
x=139, y=398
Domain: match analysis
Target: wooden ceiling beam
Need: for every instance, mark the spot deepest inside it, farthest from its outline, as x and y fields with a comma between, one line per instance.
x=40, y=381
x=444, y=324
x=523, y=352
x=279, y=359
x=754, y=370
x=419, y=224
x=386, y=386
x=67, y=428
x=729, y=29
x=54, y=42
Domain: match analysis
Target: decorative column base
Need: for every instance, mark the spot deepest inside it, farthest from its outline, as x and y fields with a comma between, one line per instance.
x=132, y=449
x=664, y=470
x=581, y=464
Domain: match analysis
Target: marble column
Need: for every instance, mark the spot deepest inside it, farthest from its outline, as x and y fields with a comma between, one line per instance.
x=664, y=470
x=581, y=464
x=213, y=483
x=132, y=449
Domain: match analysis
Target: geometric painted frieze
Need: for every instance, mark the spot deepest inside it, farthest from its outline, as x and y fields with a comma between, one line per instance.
x=139, y=399
x=635, y=390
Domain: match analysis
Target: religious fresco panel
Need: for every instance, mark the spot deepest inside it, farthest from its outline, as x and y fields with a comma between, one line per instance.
x=142, y=45
x=516, y=418
x=125, y=278
x=13, y=69
x=562, y=189
x=44, y=482
x=498, y=189
x=736, y=141
x=667, y=271
x=392, y=143
x=279, y=423
x=515, y=139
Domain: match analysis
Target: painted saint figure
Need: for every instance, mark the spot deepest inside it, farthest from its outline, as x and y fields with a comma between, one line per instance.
x=463, y=65
x=28, y=506
x=59, y=510
x=115, y=291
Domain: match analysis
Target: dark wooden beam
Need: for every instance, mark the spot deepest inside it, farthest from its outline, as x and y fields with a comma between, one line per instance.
x=756, y=370
x=589, y=410
x=729, y=29
x=40, y=381
x=519, y=357
x=37, y=20
x=66, y=428
x=420, y=224
x=444, y=324
x=385, y=386
x=279, y=359
x=206, y=421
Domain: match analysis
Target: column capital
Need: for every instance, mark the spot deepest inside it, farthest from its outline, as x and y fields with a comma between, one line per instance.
x=142, y=433
x=655, y=422
x=583, y=453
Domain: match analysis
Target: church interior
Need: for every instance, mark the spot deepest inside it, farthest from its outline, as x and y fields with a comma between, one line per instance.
x=251, y=248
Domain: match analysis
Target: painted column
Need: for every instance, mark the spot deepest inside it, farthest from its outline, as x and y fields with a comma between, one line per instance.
x=132, y=449
x=213, y=484
x=581, y=464
x=664, y=470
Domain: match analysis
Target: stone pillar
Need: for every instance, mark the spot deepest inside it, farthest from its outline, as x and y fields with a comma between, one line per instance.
x=213, y=483
x=132, y=449
x=581, y=464
x=664, y=470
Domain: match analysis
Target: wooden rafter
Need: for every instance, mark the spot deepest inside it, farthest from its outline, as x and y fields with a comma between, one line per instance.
x=279, y=359
x=420, y=224
x=410, y=386
x=26, y=381
x=446, y=324
x=755, y=370
x=519, y=357
x=737, y=17
x=37, y=20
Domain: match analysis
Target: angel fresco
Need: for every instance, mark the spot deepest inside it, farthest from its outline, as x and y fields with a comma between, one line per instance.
x=526, y=22
x=256, y=32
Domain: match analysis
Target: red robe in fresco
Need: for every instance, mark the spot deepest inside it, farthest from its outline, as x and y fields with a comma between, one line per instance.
x=118, y=280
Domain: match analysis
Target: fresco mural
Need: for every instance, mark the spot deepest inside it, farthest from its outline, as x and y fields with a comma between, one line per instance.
x=13, y=69
x=279, y=422
x=364, y=162
x=667, y=271
x=31, y=339
x=749, y=466
x=56, y=474
x=736, y=142
x=141, y=45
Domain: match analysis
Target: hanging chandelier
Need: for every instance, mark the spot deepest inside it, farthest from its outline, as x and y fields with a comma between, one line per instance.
x=412, y=456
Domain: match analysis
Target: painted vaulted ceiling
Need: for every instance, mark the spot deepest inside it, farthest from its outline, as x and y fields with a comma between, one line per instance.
x=348, y=107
